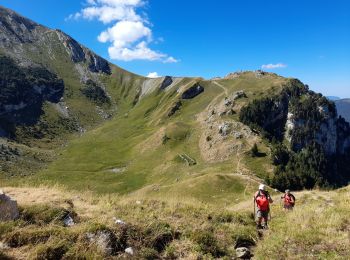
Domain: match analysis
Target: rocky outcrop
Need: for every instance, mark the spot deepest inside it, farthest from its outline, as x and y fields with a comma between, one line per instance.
x=8, y=208
x=74, y=50
x=95, y=93
x=238, y=94
x=192, y=92
x=15, y=29
x=166, y=82
x=104, y=240
x=175, y=108
x=225, y=128
x=300, y=116
x=98, y=64
x=23, y=92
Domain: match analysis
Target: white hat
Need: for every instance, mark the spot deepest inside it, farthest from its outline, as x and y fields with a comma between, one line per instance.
x=261, y=187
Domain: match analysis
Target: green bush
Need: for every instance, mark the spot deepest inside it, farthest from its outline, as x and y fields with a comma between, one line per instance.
x=31, y=235
x=254, y=152
x=43, y=214
x=148, y=254
x=158, y=235
x=207, y=243
x=51, y=251
x=95, y=93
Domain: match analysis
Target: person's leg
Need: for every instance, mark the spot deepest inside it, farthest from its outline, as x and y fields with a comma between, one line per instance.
x=265, y=215
x=258, y=218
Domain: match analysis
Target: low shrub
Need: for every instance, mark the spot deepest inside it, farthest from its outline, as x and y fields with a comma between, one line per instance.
x=51, y=250
x=44, y=214
x=207, y=243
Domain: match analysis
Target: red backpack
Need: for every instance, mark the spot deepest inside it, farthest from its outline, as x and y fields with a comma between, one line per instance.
x=288, y=199
x=262, y=200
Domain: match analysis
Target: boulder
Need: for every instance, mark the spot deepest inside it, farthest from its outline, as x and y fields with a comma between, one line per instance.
x=68, y=221
x=227, y=102
x=8, y=208
x=243, y=253
x=225, y=129
x=238, y=94
x=129, y=251
x=119, y=221
x=104, y=240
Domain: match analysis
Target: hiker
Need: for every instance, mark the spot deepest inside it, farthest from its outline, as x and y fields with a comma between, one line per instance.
x=262, y=200
x=288, y=200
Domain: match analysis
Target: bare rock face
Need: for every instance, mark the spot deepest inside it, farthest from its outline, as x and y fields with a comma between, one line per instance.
x=15, y=28
x=73, y=48
x=192, y=92
x=98, y=64
x=8, y=208
x=166, y=82
x=24, y=90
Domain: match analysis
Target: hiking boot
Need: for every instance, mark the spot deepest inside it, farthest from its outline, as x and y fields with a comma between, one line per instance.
x=264, y=226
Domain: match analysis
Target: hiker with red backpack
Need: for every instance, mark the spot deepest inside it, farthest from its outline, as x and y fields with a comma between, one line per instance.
x=288, y=200
x=262, y=200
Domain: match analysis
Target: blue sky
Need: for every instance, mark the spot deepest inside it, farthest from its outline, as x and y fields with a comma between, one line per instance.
x=306, y=39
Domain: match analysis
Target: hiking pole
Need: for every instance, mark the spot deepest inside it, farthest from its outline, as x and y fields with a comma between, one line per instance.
x=254, y=209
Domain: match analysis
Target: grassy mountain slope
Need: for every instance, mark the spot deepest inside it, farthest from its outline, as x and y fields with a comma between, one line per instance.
x=85, y=76
x=140, y=150
x=159, y=137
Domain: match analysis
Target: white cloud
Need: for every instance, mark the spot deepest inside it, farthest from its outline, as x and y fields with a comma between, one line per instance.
x=153, y=75
x=130, y=36
x=273, y=66
x=107, y=14
x=125, y=32
x=139, y=52
x=170, y=60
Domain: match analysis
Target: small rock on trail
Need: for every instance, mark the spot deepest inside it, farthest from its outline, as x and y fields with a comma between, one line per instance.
x=243, y=253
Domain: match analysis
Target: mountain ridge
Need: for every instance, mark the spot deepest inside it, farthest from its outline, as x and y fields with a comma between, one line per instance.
x=343, y=106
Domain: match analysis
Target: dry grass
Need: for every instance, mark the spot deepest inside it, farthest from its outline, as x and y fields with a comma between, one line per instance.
x=154, y=228
x=318, y=228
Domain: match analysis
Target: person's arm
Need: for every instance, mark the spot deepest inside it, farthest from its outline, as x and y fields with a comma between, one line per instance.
x=270, y=199
x=292, y=200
